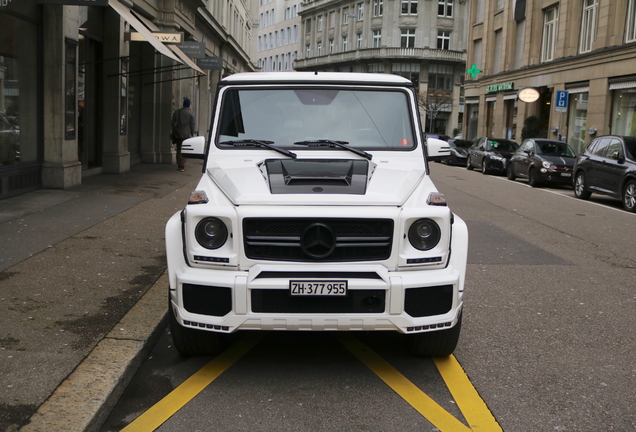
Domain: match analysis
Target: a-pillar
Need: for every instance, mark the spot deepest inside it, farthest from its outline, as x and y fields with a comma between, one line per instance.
x=61, y=167
x=116, y=158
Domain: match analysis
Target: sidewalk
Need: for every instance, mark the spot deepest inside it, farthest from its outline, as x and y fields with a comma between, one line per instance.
x=73, y=263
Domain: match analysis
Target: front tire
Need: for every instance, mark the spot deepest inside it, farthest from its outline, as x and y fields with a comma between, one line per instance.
x=469, y=165
x=511, y=173
x=532, y=178
x=484, y=167
x=629, y=196
x=439, y=343
x=192, y=342
x=580, y=188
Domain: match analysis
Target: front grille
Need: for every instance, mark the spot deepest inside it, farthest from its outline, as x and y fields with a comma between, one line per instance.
x=207, y=300
x=317, y=239
x=421, y=302
x=356, y=301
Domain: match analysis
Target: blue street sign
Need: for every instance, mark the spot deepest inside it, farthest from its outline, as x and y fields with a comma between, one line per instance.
x=561, y=103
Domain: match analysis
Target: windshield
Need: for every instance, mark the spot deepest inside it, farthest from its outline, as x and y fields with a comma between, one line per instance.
x=554, y=148
x=364, y=119
x=502, y=145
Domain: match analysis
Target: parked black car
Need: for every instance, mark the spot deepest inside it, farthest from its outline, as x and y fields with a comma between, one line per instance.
x=490, y=154
x=607, y=166
x=542, y=161
x=458, y=152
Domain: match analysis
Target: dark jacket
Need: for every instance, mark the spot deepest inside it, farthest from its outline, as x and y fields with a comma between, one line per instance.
x=183, y=123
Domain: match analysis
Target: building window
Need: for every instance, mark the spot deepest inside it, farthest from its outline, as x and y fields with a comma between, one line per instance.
x=408, y=70
x=330, y=46
x=407, y=39
x=443, y=39
x=630, y=34
x=550, y=26
x=319, y=49
x=588, y=25
x=441, y=77
x=332, y=19
x=319, y=23
x=378, y=8
x=409, y=7
x=308, y=51
x=445, y=8
x=479, y=11
x=377, y=38
x=345, y=15
x=359, y=40
x=344, y=44
x=360, y=11
x=496, y=58
x=375, y=68
x=308, y=26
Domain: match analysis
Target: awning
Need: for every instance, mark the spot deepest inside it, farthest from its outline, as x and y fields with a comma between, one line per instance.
x=137, y=25
x=184, y=58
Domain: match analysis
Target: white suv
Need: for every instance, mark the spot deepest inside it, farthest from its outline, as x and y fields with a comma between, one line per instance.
x=316, y=212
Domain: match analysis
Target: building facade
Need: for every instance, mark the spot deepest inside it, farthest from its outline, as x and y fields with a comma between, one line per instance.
x=89, y=86
x=576, y=58
x=423, y=40
x=278, y=34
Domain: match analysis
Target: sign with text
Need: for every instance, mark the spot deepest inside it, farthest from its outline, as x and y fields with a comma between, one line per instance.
x=193, y=49
x=500, y=87
x=561, y=102
x=210, y=63
x=168, y=38
x=75, y=2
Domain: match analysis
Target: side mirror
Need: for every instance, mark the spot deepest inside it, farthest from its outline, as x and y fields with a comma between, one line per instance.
x=618, y=156
x=193, y=148
x=436, y=149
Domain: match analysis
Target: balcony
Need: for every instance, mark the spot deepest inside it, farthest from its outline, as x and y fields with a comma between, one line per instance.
x=370, y=54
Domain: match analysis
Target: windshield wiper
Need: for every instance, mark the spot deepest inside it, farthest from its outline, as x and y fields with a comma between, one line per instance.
x=332, y=143
x=259, y=143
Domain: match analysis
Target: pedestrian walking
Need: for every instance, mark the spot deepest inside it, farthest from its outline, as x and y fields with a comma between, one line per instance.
x=183, y=127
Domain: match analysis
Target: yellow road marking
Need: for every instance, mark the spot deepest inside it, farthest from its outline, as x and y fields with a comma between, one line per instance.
x=175, y=400
x=438, y=416
x=468, y=400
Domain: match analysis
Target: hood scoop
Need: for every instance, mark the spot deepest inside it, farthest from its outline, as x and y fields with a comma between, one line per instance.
x=317, y=176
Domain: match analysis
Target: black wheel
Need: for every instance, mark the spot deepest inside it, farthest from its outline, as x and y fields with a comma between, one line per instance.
x=484, y=166
x=511, y=173
x=439, y=343
x=532, y=178
x=629, y=196
x=580, y=188
x=192, y=342
x=469, y=166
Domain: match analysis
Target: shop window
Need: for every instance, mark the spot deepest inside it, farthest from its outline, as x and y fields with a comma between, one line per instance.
x=577, y=121
x=123, y=98
x=624, y=112
x=408, y=70
x=473, y=120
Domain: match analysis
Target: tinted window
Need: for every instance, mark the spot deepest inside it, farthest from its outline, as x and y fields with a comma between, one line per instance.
x=601, y=148
x=614, y=149
x=630, y=148
x=502, y=145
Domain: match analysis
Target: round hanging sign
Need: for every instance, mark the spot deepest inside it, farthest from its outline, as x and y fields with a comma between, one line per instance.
x=528, y=94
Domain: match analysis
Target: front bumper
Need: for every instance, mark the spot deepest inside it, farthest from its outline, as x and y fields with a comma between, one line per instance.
x=407, y=301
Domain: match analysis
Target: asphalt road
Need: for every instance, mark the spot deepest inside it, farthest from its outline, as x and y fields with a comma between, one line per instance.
x=547, y=338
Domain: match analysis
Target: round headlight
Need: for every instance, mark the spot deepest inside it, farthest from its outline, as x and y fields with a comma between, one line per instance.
x=424, y=234
x=211, y=233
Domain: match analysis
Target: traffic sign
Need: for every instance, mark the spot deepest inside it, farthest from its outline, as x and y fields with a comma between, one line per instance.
x=561, y=103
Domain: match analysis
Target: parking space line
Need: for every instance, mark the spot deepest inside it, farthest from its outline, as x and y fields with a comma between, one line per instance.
x=427, y=407
x=175, y=400
x=469, y=402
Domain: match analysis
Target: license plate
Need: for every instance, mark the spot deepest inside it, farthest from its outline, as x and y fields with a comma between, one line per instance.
x=318, y=288
x=566, y=174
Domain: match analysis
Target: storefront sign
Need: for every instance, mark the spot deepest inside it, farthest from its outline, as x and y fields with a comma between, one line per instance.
x=168, y=38
x=75, y=2
x=500, y=87
x=210, y=63
x=193, y=49
x=528, y=94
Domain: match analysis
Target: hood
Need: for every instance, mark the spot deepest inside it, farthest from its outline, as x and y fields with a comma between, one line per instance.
x=559, y=160
x=309, y=181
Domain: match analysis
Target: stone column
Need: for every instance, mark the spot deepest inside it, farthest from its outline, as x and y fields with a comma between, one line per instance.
x=116, y=158
x=61, y=168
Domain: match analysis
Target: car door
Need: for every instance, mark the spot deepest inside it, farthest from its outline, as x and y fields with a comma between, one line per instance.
x=526, y=153
x=594, y=163
x=612, y=167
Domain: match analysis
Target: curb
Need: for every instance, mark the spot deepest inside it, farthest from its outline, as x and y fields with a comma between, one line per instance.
x=83, y=401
